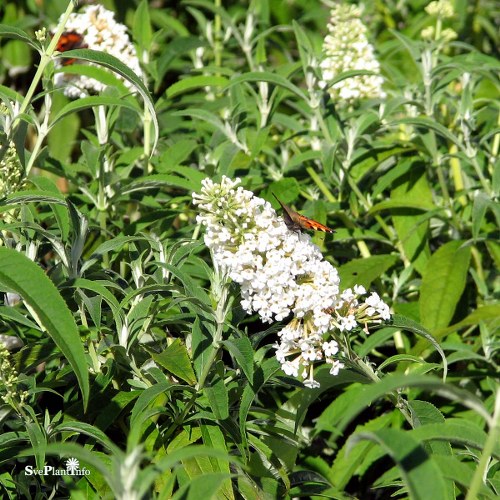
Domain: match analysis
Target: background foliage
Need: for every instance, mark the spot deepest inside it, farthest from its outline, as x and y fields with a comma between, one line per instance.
x=120, y=304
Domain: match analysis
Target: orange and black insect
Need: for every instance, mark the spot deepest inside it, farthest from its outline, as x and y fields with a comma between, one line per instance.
x=297, y=222
x=70, y=40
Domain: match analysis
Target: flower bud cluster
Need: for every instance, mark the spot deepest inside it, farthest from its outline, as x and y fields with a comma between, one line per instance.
x=9, y=381
x=11, y=171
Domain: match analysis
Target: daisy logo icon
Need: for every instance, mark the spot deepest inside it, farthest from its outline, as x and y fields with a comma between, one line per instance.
x=72, y=465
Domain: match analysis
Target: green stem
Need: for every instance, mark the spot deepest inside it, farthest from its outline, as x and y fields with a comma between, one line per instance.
x=217, y=38
x=103, y=221
x=220, y=287
x=45, y=59
x=147, y=138
x=489, y=446
x=43, y=131
x=395, y=398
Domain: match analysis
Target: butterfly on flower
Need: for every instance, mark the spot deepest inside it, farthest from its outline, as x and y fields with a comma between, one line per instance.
x=70, y=40
x=296, y=222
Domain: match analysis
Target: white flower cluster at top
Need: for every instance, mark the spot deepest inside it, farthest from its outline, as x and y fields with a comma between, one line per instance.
x=347, y=48
x=282, y=273
x=100, y=32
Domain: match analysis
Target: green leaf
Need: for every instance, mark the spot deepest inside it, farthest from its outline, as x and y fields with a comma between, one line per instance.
x=420, y=473
x=176, y=47
x=241, y=349
x=12, y=314
x=191, y=181
x=398, y=358
x=88, y=430
x=115, y=65
x=296, y=407
x=141, y=412
x=33, y=196
x=114, y=407
x=347, y=463
x=176, y=360
x=206, y=485
x=61, y=213
x=425, y=414
x=365, y=271
x=216, y=392
x=188, y=455
x=195, y=82
x=443, y=283
x=266, y=370
x=412, y=226
x=426, y=124
x=38, y=441
x=21, y=275
x=90, y=102
x=142, y=26
x=401, y=204
x=399, y=321
x=214, y=438
x=456, y=431
x=367, y=394
x=265, y=76
x=481, y=202
x=461, y=473
x=18, y=34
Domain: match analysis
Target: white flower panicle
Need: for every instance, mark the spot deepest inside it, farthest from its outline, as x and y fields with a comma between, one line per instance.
x=100, y=32
x=282, y=273
x=347, y=48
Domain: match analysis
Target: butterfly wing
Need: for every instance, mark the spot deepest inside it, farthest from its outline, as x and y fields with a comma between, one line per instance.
x=297, y=222
x=70, y=40
x=307, y=223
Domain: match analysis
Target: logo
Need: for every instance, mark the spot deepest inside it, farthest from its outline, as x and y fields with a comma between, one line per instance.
x=296, y=222
x=72, y=469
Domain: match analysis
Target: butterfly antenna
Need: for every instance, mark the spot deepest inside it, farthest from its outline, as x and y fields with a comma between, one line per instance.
x=278, y=200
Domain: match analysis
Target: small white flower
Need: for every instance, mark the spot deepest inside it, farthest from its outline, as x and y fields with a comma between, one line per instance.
x=330, y=348
x=336, y=367
x=312, y=384
x=348, y=323
x=290, y=368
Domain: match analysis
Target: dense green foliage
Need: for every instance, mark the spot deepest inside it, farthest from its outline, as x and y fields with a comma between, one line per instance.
x=118, y=302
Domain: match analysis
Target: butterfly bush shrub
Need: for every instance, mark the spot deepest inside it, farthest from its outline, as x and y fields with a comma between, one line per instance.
x=282, y=273
x=371, y=116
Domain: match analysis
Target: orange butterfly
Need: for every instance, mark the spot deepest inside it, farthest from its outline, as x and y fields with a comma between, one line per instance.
x=70, y=40
x=296, y=222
